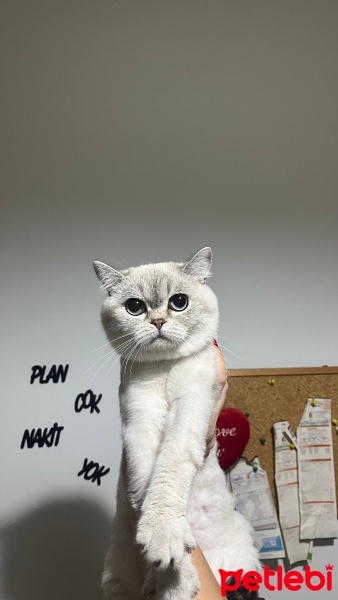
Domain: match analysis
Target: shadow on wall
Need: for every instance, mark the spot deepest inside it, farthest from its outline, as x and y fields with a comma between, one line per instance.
x=56, y=552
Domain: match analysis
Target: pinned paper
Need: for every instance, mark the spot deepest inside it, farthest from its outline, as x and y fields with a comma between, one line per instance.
x=286, y=478
x=317, y=492
x=253, y=499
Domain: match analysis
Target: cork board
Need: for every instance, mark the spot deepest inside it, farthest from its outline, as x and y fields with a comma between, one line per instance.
x=272, y=395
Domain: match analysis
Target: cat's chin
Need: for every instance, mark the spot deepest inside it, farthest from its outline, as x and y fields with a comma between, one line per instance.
x=159, y=349
x=162, y=345
x=161, y=339
x=163, y=348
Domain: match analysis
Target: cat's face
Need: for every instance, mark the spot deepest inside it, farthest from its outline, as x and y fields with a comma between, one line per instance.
x=159, y=311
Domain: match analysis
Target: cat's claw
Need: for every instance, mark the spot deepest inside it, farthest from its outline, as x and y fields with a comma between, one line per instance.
x=149, y=586
x=181, y=584
x=165, y=541
x=243, y=594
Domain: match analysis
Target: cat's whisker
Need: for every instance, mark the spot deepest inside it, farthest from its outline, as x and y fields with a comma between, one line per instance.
x=118, y=357
x=134, y=359
x=231, y=352
x=125, y=364
x=110, y=342
x=232, y=366
x=101, y=366
x=139, y=358
x=230, y=379
x=114, y=363
x=111, y=355
x=104, y=356
x=100, y=347
x=141, y=343
x=99, y=360
x=126, y=360
x=228, y=363
x=124, y=344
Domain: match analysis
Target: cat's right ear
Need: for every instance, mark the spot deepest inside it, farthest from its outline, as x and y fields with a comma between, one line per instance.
x=110, y=278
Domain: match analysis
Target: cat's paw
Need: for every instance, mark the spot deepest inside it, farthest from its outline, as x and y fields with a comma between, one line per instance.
x=164, y=540
x=178, y=584
x=113, y=588
x=150, y=583
x=243, y=594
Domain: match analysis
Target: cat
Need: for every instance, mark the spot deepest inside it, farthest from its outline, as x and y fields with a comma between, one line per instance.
x=162, y=318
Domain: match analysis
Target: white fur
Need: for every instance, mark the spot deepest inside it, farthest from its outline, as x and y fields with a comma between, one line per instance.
x=168, y=391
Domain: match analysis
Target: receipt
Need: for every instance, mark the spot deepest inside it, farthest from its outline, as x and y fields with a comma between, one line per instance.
x=286, y=478
x=317, y=491
x=253, y=499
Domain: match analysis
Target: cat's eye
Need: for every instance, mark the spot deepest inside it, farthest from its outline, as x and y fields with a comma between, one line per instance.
x=135, y=307
x=178, y=302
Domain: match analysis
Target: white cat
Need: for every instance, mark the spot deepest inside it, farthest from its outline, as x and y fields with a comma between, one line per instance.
x=161, y=318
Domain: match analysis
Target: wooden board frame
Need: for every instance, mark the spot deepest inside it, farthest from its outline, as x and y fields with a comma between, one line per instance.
x=272, y=395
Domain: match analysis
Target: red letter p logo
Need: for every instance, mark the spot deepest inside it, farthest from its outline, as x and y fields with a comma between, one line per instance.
x=230, y=580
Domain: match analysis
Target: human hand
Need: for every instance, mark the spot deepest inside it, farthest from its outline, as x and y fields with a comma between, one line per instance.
x=222, y=376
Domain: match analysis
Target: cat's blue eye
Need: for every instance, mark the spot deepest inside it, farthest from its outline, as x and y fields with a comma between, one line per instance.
x=178, y=302
x=135, y=307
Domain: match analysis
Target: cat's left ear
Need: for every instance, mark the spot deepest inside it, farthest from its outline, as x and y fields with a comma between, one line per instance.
x=199, y=265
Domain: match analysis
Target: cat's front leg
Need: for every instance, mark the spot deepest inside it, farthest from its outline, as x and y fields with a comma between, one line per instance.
x=143, y=411
x=163, y=530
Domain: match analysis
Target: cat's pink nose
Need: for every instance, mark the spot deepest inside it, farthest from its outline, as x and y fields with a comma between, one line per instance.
x=158, y=323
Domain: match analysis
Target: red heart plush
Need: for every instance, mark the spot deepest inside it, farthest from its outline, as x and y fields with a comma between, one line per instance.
x=232, y=434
